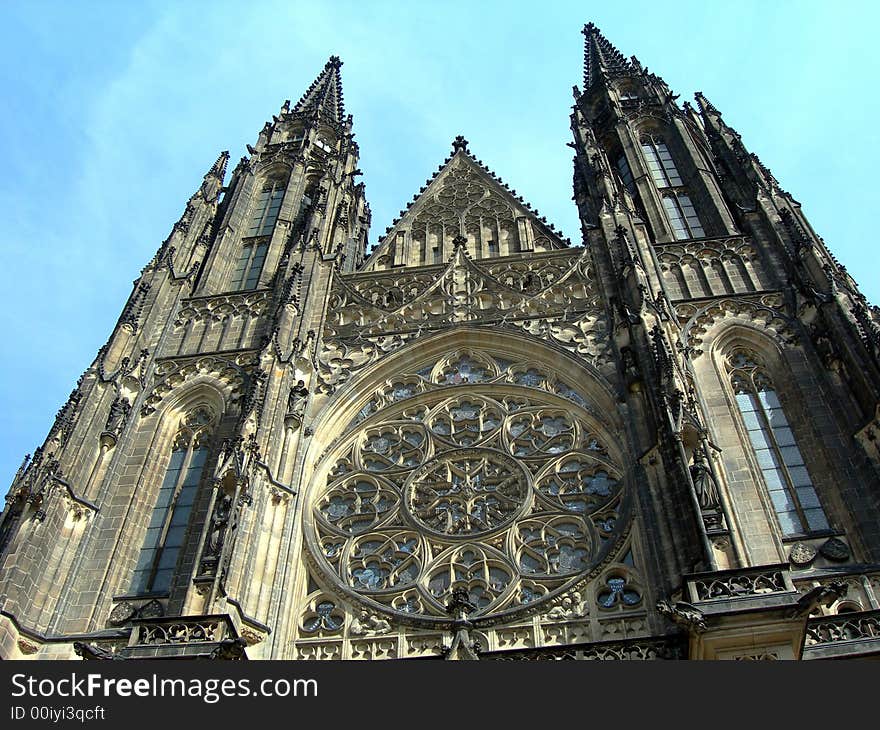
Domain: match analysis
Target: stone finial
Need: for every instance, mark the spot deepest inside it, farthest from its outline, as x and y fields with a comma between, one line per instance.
x=460, y=144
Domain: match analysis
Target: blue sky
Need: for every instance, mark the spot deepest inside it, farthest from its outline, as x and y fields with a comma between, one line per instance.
x=114, y=111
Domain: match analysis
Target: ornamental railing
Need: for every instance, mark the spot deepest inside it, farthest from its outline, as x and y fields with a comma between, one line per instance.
x=740, y=583
x=180, y=630
x=637, y=649
x=843, y=627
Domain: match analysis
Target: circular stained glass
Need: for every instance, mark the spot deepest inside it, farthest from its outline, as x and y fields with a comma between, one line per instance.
x=466, y=492
x=509, y=494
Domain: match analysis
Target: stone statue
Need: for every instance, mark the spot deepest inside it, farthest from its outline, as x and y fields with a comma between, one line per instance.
x=219, y=520
x=704, y=481
x=118, y=416
x=296, y=401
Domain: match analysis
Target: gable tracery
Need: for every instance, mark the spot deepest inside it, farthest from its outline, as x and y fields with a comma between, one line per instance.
x=553, y=297
x=463, y=199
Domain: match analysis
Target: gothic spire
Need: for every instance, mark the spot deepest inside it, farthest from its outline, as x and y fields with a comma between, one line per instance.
x=218, y=169
x=706, y=106
x=324, y=97
x=601, y=58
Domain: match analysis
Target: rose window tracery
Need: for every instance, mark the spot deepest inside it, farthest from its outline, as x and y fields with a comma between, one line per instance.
x=466, y=492
x=476, y=474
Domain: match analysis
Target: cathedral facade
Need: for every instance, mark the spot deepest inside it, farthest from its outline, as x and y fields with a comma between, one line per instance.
x=478, y=441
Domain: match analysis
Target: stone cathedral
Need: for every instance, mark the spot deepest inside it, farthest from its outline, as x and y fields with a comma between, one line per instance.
x=476, y=440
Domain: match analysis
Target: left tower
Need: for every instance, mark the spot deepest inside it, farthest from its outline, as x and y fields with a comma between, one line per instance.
x=127, y=515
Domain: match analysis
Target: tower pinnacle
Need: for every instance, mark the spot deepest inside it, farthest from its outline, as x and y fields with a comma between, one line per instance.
x=324, y=97
x=601, y=58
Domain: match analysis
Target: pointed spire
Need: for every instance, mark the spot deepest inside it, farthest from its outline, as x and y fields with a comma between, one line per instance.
x=218, y=169
x=601, y=58
x=324, y=96
x=706, y=106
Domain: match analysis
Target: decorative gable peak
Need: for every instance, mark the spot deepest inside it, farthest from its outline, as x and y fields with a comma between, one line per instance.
x=464, y=199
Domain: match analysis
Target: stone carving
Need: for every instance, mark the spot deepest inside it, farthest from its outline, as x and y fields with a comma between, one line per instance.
x=171, y=373
x=757, y=314
x=721, y=267
x=219, y=520
x=704, y=481
x=296, y=404
x=555, y=299
x=94, y=652
x=745, y=583
x=125, y=611
x=683, y=614
x=369, y=624
x=835, y=549
x=120, y=409
x=845, y=627
x=802, y=554
x=217, y=307
x=570, y=606
x=183, y=631
x=638, y=649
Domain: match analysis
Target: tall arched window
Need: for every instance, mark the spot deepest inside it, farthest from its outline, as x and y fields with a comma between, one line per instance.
x=682, y=216
x=791, y=490
x=266, y=207
x=249, y=266
x=660, y=162
x=626, y=175
x=680, y=210
x=166, y=531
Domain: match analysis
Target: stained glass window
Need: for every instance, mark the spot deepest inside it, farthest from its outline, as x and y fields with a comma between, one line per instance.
x=166, y=531
x=773, y=443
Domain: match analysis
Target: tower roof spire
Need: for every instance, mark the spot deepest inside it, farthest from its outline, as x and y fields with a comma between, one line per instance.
x=324, y=96
x=601, y=58
x=218, y=169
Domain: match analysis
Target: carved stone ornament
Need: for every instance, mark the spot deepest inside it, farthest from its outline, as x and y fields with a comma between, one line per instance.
x=835, y=549
x=369, y=624
x=252, y=636
x=122, y=613
x=27, y=648
x=683, y=614
x=127, y=611
x=802, y=554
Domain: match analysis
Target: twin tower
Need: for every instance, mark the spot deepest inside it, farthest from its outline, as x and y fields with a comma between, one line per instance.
x=478, y=440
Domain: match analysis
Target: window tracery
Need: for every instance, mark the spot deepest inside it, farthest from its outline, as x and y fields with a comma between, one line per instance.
x=266, y=207
x=773, y=443
x=450, y=483
x=169, y=519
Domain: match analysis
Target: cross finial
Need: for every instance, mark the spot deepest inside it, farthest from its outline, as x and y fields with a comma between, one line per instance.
x=459, y=143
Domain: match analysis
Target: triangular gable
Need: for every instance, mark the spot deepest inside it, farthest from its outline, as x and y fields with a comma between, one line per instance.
x=463, y=198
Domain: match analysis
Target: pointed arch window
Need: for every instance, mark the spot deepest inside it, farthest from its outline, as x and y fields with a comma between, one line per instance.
x=266, y=208
x=249, y=266
x=626, y=175
x=169, y=519
x=660, y=162
x=791, y=490
x=682, y=216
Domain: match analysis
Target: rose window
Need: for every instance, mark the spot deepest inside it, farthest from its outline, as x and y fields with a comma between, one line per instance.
x=466, y=492
x=467, y=478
